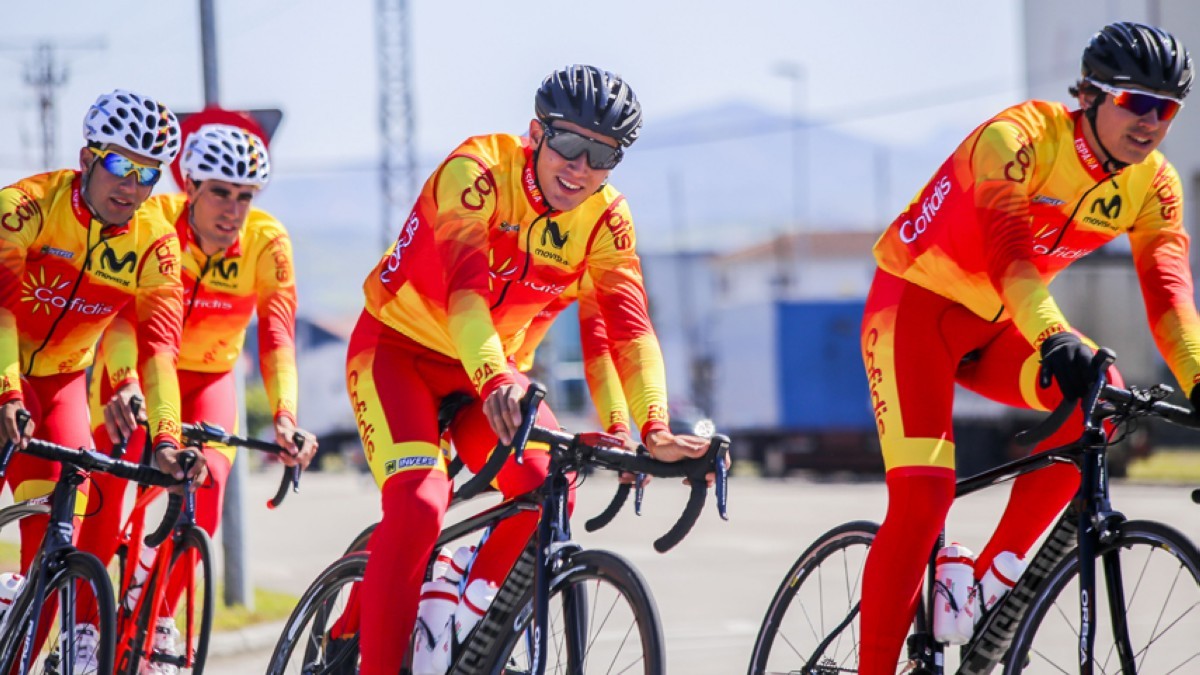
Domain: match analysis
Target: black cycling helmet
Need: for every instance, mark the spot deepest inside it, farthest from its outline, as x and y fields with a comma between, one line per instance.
x=592, y=98
x=1127, y=54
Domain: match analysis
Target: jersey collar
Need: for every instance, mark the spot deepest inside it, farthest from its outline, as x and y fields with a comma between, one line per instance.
x=529, y=179
x=1085, y=152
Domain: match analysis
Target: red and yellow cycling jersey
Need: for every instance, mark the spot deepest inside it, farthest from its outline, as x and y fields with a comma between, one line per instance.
x=63, y=279
x=221, y=293
x=481, y=254
x=1023, y=197
x=598, y=368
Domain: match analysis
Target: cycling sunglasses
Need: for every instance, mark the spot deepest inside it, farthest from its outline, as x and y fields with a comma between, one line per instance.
x=571, y=145
x=121, y=166
x=1140, y=102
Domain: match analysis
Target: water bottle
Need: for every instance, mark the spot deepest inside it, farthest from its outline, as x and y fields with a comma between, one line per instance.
x=471, y=607
x=439, y=599
x=954, y=582
x=11, y=584
x=441, y=563
x=459, y=563
x=999, y=579
x=144, y=564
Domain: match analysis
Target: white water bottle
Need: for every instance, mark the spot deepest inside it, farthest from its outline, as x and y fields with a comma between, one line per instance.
x=11, y=584
x=441, y=563
x=140, y=573
x=459, y=563
x=954, y=583
x=999, y=579
x=435, y=615
x=471, y=607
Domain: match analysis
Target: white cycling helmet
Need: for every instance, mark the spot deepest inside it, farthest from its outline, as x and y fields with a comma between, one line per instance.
x=137, y=123
x=225, y=152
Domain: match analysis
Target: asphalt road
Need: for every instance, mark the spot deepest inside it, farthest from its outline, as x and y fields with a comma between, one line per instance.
x=711, y=591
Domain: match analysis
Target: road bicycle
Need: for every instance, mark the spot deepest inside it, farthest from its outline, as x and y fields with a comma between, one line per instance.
x=1143, y=617
x=45, y=606
x=182, y=554
x=561, y=608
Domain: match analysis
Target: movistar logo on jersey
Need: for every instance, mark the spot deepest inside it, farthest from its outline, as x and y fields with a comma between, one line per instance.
x=556, y=237
x=226, y=270
x=109, y=261
x=1110, y=208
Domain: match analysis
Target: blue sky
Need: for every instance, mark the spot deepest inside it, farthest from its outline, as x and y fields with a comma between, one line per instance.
x=476, y=64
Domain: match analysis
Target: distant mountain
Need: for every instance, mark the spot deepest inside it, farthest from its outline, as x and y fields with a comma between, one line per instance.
x=731, y=166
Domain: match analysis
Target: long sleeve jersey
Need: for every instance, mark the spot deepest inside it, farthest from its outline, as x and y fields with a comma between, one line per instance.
x=599, y=371
x=64, y=277
x=221, y=293
x=482, y=253
x=1022, y=198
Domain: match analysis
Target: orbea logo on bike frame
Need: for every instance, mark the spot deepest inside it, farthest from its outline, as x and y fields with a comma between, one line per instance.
x=407, y=233
x=911, y=229
x=54, y=294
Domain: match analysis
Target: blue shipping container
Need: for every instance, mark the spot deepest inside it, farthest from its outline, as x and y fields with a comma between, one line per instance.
x=822, y=384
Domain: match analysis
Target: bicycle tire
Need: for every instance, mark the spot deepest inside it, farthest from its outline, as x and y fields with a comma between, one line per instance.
x=595, y=583
x=61, y=591
x=1156, y=561
x=16, y=512
x=787, y=639
x=360, y=542
x=306, y=633
x=196, y=546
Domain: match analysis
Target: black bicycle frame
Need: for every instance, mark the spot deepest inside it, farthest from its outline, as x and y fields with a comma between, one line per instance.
x=50, y=559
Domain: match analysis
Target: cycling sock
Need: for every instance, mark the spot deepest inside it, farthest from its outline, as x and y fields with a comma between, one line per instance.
x=413, y=505
x=918, y=500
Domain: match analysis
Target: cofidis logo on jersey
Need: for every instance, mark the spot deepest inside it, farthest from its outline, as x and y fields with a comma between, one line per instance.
x=407, y=234
x=915, y=227
x=48, y=295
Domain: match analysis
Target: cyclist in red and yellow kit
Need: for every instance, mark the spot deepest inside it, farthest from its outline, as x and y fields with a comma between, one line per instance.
x=76, y=250
x=236, y=261
x=961, y=295
x=502, y=228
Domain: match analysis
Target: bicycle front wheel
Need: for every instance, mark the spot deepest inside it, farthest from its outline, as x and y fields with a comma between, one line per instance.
x=1160, y=587
x=602, y=619
x=311, y=642
x=813, y=618
x=176, y=635
x=65, y=634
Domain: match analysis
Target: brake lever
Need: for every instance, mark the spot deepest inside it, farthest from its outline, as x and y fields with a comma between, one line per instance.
x=722, y=465
x=639, y=484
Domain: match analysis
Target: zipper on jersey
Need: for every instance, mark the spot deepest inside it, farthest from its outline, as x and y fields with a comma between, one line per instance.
x=528, y=258
x=196, y=287
x=83, y=270
x=1071, y=218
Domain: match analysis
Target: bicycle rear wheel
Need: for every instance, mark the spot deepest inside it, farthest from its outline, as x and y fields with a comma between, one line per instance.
x=602, y=619
x=1160, y=580
x=813, y=618
x=306, y=644
x=81, y=573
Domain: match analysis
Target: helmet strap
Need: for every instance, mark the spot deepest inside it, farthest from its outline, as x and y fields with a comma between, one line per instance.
x=1111, y=164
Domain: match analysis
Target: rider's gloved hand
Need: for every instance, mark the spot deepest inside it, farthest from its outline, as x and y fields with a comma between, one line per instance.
x=1194, y=398
x=1066, y=360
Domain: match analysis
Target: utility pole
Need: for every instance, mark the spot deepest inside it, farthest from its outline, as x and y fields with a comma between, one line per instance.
x=397, y=161
x=46, y=74
x=794, y=253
